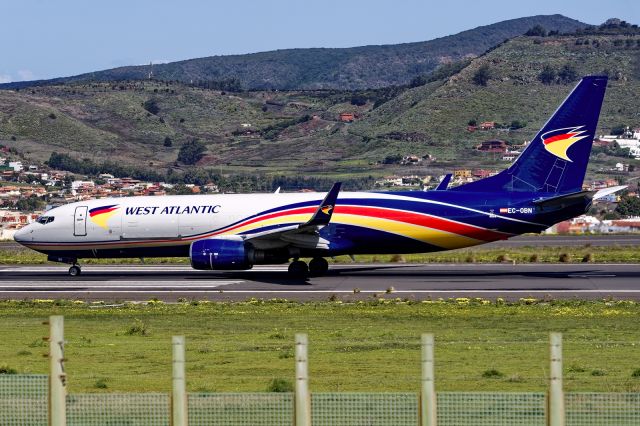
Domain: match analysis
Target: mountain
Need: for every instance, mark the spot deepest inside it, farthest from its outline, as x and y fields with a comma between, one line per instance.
x=325, y=68
x=299, y=133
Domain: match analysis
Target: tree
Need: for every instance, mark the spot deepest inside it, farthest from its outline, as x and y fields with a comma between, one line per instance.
x=537, y=30
x=568, y=73
x=191, y=152
x=168, y=142
x=358, y=100
x=482, y=76
x=151, y=105
x=548, y=75
x=628, y=206
x=517, y=124
x=417, y=81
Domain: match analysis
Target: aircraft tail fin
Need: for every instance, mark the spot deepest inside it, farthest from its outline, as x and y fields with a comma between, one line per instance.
x=555, y=161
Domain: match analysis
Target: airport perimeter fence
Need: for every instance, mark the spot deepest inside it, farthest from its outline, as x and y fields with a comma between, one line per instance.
x=36, y=400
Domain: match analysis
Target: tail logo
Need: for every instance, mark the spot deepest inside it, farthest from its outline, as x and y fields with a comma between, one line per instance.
x=558, y=141
x=101, y=215
x=326, y=209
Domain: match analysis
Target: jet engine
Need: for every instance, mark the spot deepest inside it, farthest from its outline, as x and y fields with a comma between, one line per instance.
x=218, y=253
x=232, y=253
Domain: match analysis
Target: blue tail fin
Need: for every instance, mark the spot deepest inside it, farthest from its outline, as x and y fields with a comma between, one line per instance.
x=555, y=161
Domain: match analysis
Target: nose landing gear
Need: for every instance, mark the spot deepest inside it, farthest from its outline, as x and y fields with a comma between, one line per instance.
x=75, y=270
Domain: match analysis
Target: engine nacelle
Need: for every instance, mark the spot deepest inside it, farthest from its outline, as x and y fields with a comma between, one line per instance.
x=219, y=253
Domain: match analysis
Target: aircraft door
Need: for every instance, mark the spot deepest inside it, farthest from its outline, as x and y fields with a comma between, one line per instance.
x=80, y=222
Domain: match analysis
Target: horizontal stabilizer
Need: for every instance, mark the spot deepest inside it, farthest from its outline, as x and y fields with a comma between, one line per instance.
x=608, y=191
x=575, y=196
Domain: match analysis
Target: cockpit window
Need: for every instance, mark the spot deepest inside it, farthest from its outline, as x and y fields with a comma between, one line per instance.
x=45, y=219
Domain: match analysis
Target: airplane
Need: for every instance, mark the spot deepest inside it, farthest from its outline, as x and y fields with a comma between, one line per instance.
x=236, y=231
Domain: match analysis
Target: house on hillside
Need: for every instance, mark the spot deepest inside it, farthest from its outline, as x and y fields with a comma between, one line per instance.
x=347, y=117
x=487, y=125
x=495, y=145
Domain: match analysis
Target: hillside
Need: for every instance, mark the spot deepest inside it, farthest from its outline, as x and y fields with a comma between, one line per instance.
x=325, y=68
x=299, y=133
x=513, y=93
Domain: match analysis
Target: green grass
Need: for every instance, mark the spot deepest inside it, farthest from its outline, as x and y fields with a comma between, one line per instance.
x=552, y=254
x=364, y=346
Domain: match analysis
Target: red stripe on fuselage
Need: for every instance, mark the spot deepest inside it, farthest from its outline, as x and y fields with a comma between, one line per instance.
x=425, y=220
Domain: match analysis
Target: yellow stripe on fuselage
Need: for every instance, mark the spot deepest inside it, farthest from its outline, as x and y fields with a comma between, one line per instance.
x=431, y=236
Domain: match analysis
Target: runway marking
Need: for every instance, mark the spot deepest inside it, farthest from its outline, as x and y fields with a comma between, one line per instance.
x=591, y=275
x=382, y=292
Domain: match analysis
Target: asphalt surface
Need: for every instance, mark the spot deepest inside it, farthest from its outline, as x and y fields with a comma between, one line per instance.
x=345, y=282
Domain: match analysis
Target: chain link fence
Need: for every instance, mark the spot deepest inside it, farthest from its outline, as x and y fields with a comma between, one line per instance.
x=491, y=409
x=587, y=409
x=150, y=409
x=24, y=400
x=240, y=409
x=356, y=409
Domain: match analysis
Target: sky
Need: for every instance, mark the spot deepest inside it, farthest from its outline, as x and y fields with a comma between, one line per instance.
x=42, y=39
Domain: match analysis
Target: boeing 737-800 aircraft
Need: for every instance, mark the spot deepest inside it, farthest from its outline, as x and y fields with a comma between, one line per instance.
x=231, y=231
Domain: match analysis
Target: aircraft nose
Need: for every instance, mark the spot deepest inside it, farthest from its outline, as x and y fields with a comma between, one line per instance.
x=22, y=234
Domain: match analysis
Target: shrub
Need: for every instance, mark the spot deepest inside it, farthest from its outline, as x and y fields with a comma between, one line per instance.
x=492, y=373
x=587, y=258
x=100, y=384
x=534, y=258
x=598, y=373
x=138, y=328
x=397, y=258
x=564, y=258
x=280, y=385
x=52, y=116
x=503, y=258
x=548, y=75
x=5, y=369
x=636, y=373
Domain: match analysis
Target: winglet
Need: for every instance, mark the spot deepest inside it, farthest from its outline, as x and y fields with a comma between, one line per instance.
x=323, y=214
x=444, y=183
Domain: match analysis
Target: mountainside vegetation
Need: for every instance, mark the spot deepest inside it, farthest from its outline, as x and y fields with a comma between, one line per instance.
x=326, y=68
x=167, y=129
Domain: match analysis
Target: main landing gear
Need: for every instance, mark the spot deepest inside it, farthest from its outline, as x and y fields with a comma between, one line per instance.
x=318, y=266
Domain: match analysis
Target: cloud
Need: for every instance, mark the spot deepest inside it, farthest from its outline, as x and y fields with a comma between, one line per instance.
x=24, y=75
x=5, y=78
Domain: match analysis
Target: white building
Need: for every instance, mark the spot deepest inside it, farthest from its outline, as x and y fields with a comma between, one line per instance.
x=16, y=166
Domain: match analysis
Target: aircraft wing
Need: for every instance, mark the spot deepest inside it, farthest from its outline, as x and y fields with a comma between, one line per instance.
x=304, y=235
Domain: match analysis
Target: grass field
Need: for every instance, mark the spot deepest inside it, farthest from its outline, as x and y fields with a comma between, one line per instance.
x=364, y=346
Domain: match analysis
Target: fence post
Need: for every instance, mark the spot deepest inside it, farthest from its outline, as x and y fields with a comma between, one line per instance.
x=428, y=394
x=57, y=376
x=555, y=405
x=179, y=394
x=302, y=397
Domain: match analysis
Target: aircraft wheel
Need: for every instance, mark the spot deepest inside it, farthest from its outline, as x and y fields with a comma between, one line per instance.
x=74, y=271
x=318, y=266
x=298, y=268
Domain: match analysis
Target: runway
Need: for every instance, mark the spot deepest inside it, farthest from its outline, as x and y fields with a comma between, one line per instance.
x=112, y=283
